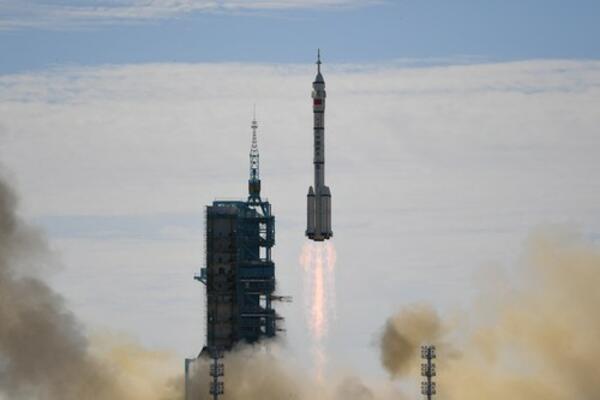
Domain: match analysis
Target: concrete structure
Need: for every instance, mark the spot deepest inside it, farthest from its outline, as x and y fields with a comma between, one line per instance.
x=318, y=200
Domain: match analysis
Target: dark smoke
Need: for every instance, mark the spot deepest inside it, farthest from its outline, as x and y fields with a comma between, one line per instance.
x=403, y=336
x=44, y=353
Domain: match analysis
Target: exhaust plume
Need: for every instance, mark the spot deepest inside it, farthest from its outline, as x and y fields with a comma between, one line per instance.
x=44, y=353
x=254, y=374
x=535, y=341
x=403, y=335
x=318, y=263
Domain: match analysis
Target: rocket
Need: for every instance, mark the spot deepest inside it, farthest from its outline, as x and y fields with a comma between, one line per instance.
x=318, y=200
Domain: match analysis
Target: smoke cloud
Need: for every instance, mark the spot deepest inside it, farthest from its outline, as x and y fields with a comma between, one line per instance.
x=535, y=340
x=254, y=374
x=44, y=353
x=403, y=335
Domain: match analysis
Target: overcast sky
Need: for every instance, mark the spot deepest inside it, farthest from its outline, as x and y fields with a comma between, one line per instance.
x=453, y=129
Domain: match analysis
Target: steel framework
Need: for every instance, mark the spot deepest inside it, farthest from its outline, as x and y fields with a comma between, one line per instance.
x=428, y=371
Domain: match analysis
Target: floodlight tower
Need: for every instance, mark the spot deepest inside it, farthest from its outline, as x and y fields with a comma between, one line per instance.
x=428, y=371
x=217, y=370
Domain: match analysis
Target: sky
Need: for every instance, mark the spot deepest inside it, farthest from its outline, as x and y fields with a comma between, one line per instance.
x=40, y=34
x=454, y=129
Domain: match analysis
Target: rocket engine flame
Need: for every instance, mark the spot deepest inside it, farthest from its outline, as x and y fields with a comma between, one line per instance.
x=318, y=263
x=330, y=260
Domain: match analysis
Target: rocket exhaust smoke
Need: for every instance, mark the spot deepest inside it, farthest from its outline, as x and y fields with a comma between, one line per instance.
x=43, y=351
x=534, y=340
x=253, y=374
x=537, y=340
x=403, y=335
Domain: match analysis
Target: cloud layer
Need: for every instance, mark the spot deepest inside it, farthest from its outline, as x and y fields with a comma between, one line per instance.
x=59, y=14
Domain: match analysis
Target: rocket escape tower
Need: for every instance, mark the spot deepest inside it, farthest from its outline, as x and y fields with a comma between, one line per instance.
x=239, y=273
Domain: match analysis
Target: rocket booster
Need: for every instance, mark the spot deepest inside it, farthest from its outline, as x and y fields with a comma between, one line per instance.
x=318, y=224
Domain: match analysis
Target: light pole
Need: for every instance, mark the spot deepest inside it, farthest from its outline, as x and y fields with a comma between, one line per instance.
x=428, y=371
x=217, y=370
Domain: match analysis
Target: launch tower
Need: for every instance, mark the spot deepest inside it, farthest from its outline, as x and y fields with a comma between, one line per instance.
x=239, y=274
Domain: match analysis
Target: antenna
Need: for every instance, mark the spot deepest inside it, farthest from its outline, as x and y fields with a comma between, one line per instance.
x=254, y=180
x=428, y=371
x=319, y=60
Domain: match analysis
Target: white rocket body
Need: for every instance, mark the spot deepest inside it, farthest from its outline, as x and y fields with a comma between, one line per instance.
x=318, y=224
